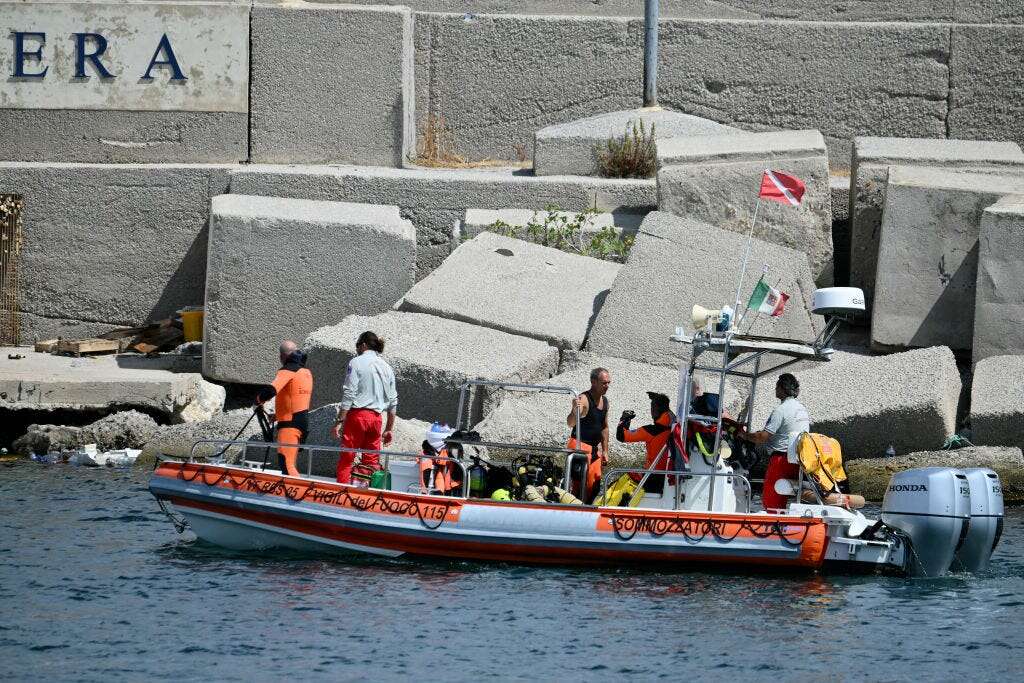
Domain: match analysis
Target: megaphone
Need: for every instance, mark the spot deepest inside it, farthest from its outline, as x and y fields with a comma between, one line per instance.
x=702, y=317
x=720, y=319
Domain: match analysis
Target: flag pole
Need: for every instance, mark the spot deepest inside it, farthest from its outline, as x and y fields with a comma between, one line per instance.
x=746, y=257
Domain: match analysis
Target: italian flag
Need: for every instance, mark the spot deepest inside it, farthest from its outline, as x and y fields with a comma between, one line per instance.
x=765, y=299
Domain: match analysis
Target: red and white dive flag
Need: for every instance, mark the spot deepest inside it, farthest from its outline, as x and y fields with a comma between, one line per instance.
x=782, y=188
x=766, y=299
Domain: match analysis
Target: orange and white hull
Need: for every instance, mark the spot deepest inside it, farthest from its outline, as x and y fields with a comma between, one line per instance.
x=242, y=508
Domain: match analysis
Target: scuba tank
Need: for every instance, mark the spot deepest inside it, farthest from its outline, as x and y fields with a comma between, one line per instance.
x=477, y=478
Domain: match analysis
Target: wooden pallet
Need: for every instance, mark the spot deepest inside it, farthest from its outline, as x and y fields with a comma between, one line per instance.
x=47, y=345
x=79, y=347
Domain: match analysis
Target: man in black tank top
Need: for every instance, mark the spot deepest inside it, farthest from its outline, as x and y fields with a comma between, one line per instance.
x=593, y=427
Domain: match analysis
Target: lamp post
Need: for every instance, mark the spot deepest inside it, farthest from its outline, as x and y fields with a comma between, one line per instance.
x=650, y=53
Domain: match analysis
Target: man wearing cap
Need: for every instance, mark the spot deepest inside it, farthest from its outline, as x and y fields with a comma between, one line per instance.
x=654, y=437
x=787, y=421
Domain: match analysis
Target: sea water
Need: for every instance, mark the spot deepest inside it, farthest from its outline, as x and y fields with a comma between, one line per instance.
x=95, y=585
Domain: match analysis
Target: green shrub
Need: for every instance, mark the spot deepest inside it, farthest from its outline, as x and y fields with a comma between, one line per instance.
x=561, y=230
x=631, y=156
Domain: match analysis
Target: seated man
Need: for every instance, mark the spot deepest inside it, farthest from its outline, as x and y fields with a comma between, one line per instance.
x=788, y=420
x=655, y=439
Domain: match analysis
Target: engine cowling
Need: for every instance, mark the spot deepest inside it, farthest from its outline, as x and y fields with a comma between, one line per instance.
x=931, y=506
x=986, y=520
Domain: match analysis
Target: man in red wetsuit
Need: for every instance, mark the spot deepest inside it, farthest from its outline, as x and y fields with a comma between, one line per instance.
x=292, y=390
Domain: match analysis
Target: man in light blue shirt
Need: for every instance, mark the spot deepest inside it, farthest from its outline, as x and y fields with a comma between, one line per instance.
x=369, y=391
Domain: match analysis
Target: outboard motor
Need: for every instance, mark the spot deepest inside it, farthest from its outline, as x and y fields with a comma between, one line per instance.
x=986, y=520
x=931, y=506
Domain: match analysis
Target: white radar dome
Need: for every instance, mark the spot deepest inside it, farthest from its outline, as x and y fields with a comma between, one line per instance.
x=838, y=301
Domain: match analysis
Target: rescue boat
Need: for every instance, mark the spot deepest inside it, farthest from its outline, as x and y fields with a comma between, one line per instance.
x=933, y=520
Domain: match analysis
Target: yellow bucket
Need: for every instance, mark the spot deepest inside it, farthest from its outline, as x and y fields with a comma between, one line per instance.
x=192, y=321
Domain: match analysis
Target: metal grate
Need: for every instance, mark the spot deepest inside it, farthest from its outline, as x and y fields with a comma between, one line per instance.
x=10, y=253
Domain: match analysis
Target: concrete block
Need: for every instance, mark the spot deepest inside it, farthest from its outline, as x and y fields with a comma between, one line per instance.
x=123, y=137
x=997, y=402
x=435, y=200
x=121, y=116
x=928, y=256
x=892, y=79
x=870, y=476
x=999, y=291
x=986, y=68
x=432, y=358
x=872, y=157
x=761, y=147
x=717, y=179
x=571, y=148
x=281, y=268
x=113, y=244
x=41, y=381
x=516, y=287
x=332, y=83
x=907, y=400
x=677, y=262
x=482, y=220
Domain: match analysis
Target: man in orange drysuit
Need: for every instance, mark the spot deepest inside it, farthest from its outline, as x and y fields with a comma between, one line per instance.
x=653, y=436
x=292, y=390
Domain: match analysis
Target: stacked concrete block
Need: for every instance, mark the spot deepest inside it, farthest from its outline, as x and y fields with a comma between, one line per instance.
x=436, y=200
x=716, y=179
x=332, y=83
x=678, y=262
x=517, y=287
x=432, y=358
x=41, y=381
x=708, y=68
x=516, y=223
x=997, y=402
x=928, y=256
x=573, y=148
x=872, y=157
x=281, y=268
x=539, y=418
x=110, y=244
x=985, y=62
x=118, y=115
x=906, y=400
x=870, y=477
x=999, y=292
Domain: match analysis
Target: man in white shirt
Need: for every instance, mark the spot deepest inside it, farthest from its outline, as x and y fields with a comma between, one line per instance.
x=369, y=391
x=788, y=420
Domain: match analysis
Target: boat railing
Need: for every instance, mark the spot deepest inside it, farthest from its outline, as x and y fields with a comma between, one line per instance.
x=266, y=449
x=617, y=472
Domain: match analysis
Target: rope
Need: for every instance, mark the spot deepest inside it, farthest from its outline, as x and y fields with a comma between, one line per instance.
x=345, y=497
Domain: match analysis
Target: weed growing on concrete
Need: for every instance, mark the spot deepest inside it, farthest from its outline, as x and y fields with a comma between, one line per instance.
x=563, y=230
x=437, y=145
x=631, y=156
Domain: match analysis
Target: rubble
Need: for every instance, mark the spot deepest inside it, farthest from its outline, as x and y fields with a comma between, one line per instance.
x=129, y=429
